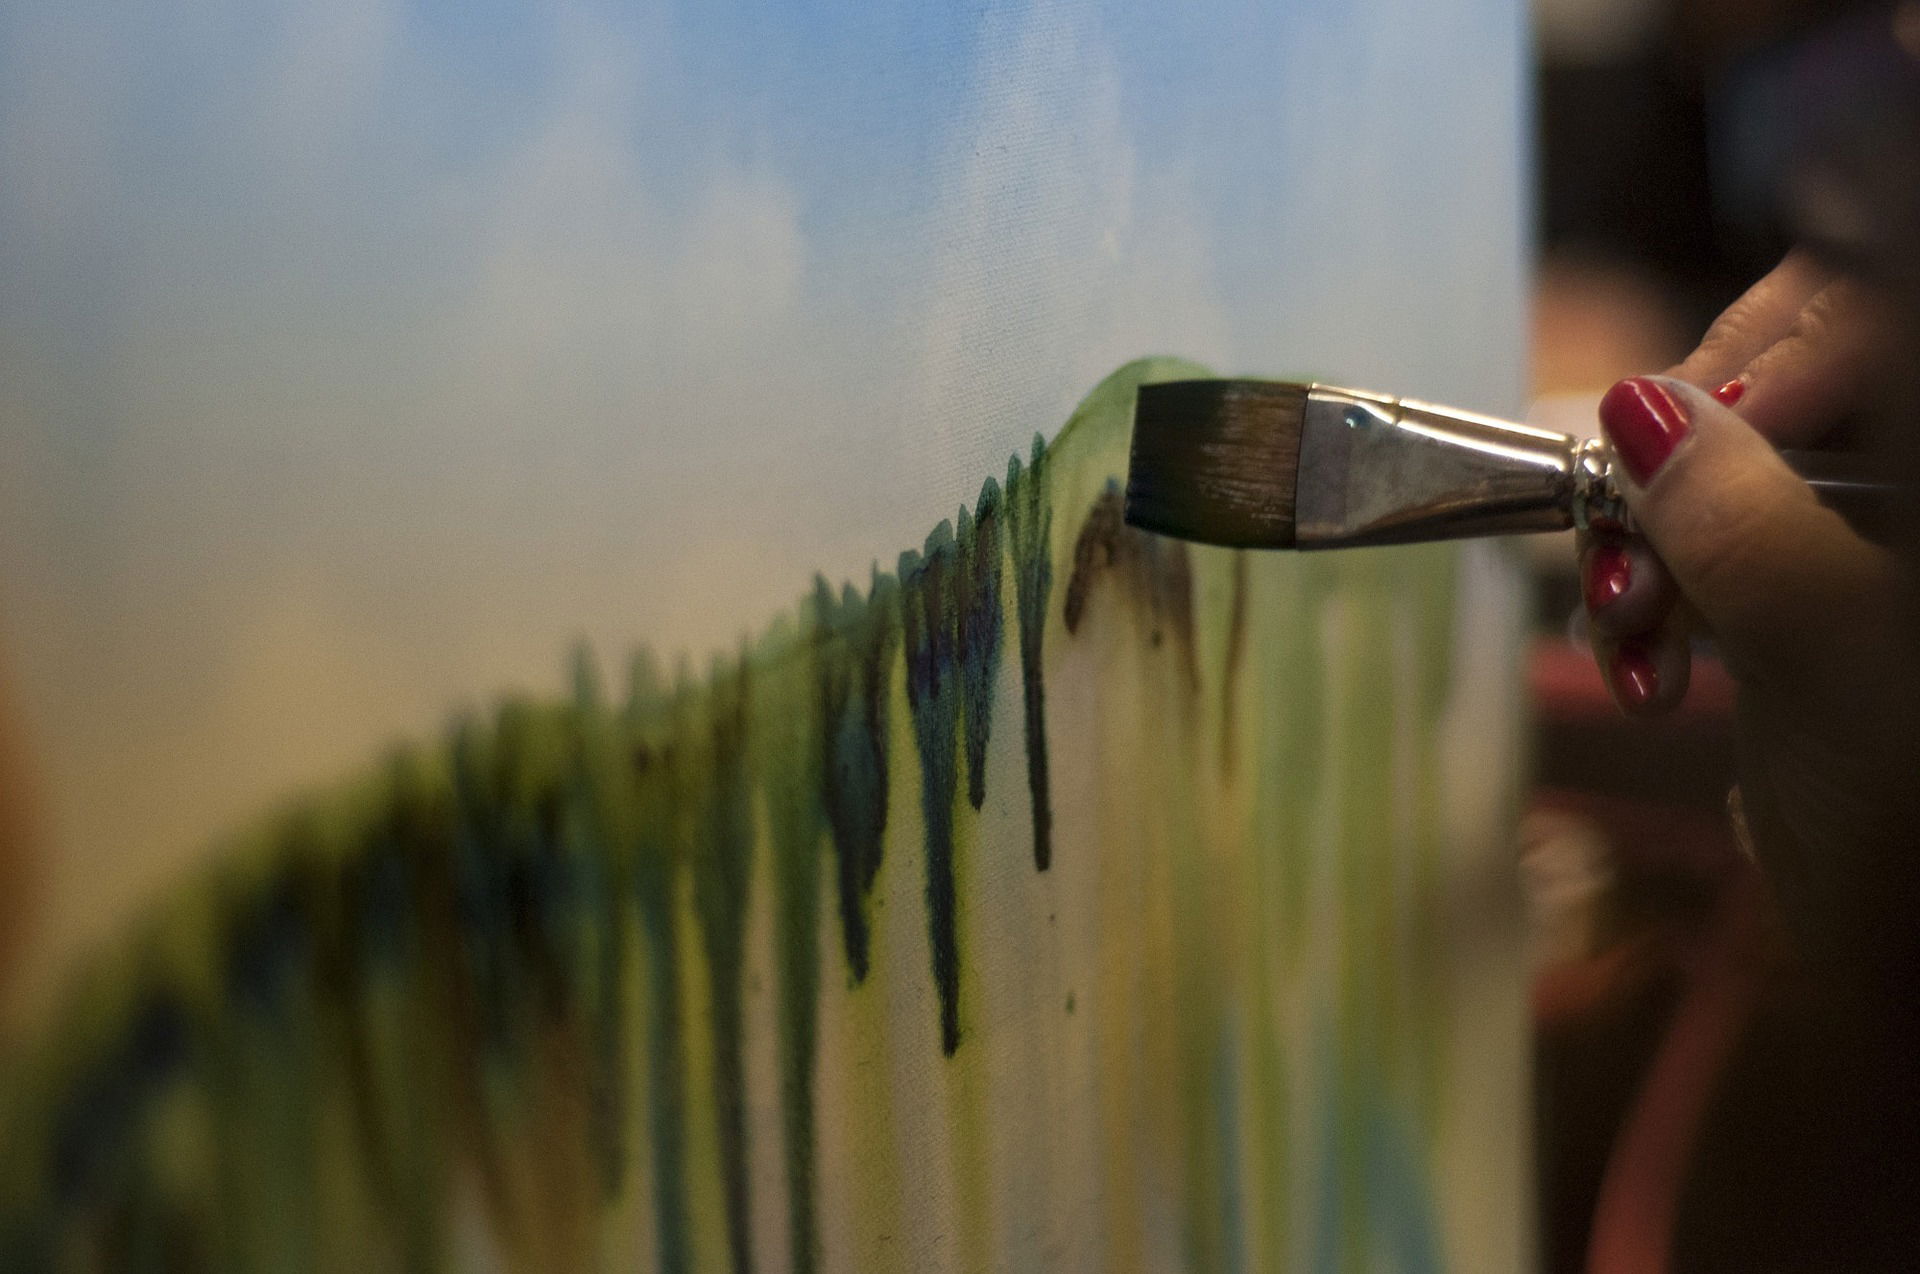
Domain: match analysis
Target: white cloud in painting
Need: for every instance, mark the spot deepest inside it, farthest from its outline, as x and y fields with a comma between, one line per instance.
x=1056, y=261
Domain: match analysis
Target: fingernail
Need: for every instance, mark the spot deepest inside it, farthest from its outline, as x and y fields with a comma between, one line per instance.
x=1731, y=392
x=1645, y=422
x=1609, y=572
x=1634, y=673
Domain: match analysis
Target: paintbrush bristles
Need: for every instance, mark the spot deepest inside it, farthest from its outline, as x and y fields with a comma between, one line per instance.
x=1216, y=461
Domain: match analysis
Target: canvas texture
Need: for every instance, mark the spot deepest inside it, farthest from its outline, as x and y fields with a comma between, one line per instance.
x=1023, y=893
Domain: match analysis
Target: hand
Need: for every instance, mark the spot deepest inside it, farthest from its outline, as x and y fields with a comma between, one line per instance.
x=1806, y=615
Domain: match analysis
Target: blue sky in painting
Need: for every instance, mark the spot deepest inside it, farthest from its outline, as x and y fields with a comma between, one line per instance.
x=355, y=355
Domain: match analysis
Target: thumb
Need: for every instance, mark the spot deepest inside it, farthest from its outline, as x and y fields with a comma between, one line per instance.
x=1783, y=582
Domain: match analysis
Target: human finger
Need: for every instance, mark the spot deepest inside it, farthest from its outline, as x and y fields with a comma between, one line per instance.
x=1647, y=672
x=1795, y=390
x=1776, y=576
x=1761, y=317
x=1626, y=589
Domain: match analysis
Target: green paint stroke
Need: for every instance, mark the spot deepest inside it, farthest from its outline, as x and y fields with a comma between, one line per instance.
x=474, y=959
x=1030, y=531
x=1153, y=570
x=789, y=757
x=854, y=640
x=655, y=756
x=980, y=612
x=720, y=875
x=603, y=838
x=930, y=636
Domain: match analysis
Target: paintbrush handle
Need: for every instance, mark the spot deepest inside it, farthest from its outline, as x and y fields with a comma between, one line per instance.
x=1839, y=471
x=1371, y=469
x=1850, y=485
x=1846, y=482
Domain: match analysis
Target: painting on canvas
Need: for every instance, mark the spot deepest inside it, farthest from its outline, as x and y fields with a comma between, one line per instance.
x=912, y=867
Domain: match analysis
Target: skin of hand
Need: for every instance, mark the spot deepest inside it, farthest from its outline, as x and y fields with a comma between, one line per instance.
x=1808, y=617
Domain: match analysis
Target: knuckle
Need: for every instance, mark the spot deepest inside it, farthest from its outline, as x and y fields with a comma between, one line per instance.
x=1758, y=320
x=1813, y=326
x=1726, y=340
x=1724, y=549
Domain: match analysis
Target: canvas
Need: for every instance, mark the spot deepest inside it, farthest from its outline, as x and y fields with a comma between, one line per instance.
x=1048, y=896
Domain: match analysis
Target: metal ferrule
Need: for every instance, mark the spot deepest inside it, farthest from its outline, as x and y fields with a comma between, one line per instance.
x=1381, y=470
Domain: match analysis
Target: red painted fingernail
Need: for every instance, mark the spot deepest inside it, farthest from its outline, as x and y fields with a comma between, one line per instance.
x=1634, y=673
x=1609, y=572
x=1645, y=422
x=1732, y=392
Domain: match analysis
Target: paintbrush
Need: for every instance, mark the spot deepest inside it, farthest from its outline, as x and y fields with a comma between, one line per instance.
x=1274, y=464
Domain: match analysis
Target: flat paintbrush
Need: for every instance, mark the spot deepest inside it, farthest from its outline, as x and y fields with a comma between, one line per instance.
x=1272, y=464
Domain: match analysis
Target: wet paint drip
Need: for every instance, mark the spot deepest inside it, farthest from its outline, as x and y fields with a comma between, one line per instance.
x=950, y=609
x=930, y=638
x=1151, y=569
x=721, y=863
x=1030, y=532
x=600, y=839
x=1236, y=659
x=979, y=636
x=654, y=757
x=853, y=646
x=789, y=754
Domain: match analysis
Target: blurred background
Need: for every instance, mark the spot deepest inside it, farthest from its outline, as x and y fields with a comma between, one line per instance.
x=1662, y=132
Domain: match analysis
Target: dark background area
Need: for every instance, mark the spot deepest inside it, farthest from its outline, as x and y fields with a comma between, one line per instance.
x=1666, y=131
